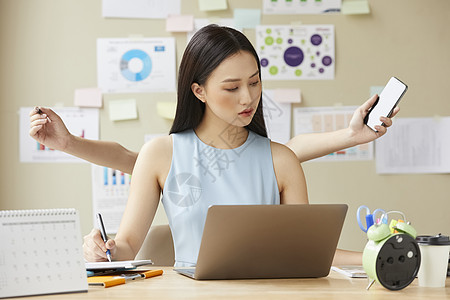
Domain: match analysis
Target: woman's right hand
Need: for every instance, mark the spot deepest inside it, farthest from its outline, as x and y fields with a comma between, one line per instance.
x=94, y=248
x=48, y=129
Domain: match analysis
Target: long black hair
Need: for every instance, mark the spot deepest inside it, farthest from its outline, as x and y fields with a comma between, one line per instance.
x=207, y=49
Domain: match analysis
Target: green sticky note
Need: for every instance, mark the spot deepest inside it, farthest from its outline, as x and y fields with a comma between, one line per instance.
x=247, y=18
x=205, y=5
x=355, y=7
x=376, y=89
x=124, y=109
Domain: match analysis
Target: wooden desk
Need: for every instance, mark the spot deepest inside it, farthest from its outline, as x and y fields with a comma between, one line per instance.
x=174, y=286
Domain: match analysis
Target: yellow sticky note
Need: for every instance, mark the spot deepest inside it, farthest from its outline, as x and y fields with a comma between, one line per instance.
x=287, y=95
x=124, y=109
x=180, y=23
x=166, y=109
x=355, y=7
x=90, y=97
x=205, y=5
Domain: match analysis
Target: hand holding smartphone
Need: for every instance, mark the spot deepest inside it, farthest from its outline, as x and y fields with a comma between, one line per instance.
x=387, y=101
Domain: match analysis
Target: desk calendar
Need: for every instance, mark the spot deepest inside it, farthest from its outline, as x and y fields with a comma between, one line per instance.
x=40, y=253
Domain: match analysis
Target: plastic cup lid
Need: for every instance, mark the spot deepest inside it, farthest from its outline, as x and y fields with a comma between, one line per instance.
x=433, y=239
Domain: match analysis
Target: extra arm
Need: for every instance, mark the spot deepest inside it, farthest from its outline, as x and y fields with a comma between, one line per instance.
x=314, y=145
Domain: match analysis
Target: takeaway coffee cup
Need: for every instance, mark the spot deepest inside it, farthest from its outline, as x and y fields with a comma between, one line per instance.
x=434, y=260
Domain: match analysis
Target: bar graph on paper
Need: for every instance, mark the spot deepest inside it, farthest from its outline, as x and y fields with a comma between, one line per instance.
x=81, y=122
x=110, y=190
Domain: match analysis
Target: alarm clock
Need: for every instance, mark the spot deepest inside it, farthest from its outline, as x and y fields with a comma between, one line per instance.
x=391, y=256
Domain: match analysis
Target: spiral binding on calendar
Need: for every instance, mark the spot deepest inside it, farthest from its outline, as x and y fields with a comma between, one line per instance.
x=38, y=212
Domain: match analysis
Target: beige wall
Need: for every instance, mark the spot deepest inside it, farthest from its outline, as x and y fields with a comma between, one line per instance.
x=47, y=49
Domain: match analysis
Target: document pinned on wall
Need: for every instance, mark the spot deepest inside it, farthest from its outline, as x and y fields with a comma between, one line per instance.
x=207, y=5
x=247, y=18
x=280, y=7
x=140, y=9
x=180, y=23
x=123, y=109
x=110, y=189
x=414, y=145
x=142, y=65
x=301, y=52
x=89, y=97
x=277, y=117
x=326, y=119
x=81, y=122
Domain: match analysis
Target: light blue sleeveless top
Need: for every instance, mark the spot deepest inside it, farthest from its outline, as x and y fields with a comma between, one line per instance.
x=201, y=176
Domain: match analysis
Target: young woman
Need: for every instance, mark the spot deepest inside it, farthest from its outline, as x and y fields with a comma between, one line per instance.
x=217, y=153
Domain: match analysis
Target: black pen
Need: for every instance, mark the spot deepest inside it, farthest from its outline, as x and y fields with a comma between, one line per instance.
x=103, y=233
x=39, y=111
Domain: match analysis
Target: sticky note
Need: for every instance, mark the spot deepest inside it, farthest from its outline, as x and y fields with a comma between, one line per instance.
x=90, y=97
x=124, y=109
x=355, y=7
x=376, y=90
x=180, y=23
x=166, y=109
x=287, y=95
x=247, y=18
x=205, y=5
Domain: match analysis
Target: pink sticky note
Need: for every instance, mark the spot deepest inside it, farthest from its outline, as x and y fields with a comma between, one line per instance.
x=90, y=97
x=287, y=95
x=180, y=23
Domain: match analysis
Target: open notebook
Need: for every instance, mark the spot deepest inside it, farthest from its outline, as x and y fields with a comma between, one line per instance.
x=116, y=265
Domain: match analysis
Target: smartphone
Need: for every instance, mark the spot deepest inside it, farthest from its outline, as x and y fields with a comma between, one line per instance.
x=386, y=102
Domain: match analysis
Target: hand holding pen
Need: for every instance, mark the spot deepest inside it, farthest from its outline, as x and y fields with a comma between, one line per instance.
x=103, y=234
x=47, y=128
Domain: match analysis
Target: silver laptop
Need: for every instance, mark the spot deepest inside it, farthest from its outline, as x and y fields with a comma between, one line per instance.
x=268, y=241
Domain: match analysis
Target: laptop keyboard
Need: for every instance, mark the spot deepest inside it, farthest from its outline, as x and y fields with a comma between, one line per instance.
x=190, y=271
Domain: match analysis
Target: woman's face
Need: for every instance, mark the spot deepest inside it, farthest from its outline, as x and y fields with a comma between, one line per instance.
x=233, y=90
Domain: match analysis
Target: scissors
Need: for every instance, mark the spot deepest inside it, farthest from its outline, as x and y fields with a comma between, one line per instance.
x=370, y=217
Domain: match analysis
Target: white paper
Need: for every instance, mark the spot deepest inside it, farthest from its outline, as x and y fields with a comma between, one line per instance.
x=148, y=9
x=302, y=52
x=110, y=190
x=326, y=119
x=142, y=65
x=120, y=264
x=415, y=145
x=301, y=7
x=277, y=117
x=82, y=122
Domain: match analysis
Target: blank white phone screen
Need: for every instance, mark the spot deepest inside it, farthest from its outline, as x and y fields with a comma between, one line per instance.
x=388, y=99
